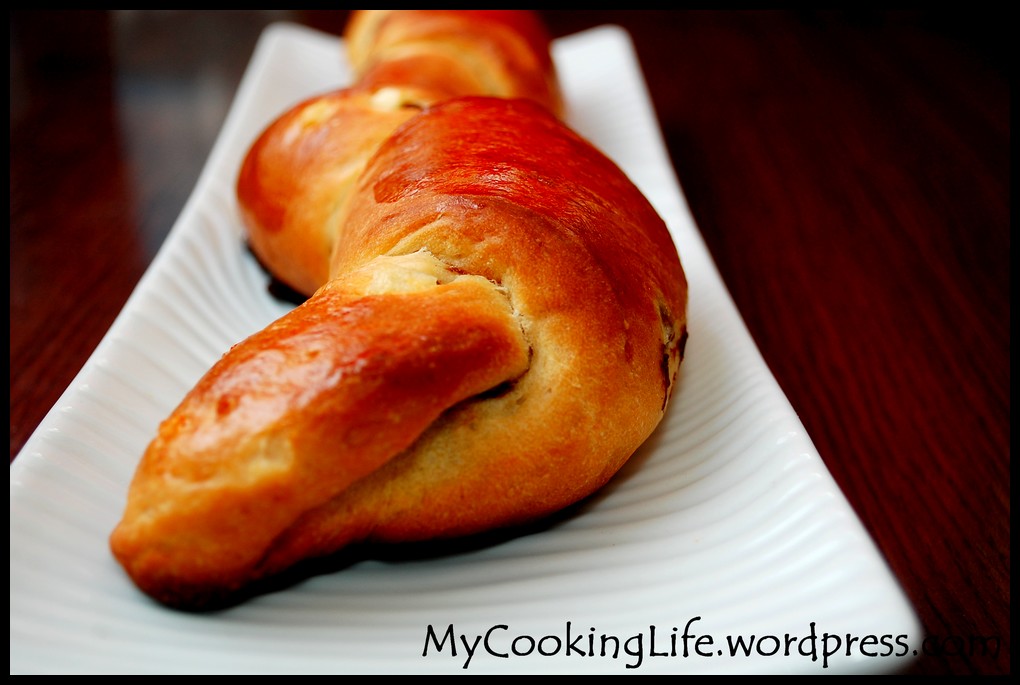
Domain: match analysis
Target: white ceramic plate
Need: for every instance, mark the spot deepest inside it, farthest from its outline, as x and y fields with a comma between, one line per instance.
x=726, y=521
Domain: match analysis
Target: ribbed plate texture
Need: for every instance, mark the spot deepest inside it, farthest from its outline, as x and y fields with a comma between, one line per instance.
x=725, y=523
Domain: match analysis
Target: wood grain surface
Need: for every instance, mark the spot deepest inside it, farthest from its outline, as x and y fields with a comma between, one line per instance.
x=849, y=172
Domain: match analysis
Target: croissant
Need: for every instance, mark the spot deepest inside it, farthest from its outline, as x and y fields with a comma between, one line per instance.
x=452, y=53
x=296, y=178
x=500, y=326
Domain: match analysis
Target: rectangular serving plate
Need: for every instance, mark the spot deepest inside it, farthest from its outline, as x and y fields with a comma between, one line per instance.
x=724, y=546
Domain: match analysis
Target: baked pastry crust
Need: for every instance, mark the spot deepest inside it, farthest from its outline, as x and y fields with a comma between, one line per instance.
x=500, y=326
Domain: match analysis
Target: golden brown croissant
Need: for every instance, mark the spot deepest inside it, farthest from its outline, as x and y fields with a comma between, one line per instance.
x=500, y=328
x=503, y=53
x=295, y=179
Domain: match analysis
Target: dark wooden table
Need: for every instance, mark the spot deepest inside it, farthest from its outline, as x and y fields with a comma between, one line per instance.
x=849, y=172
